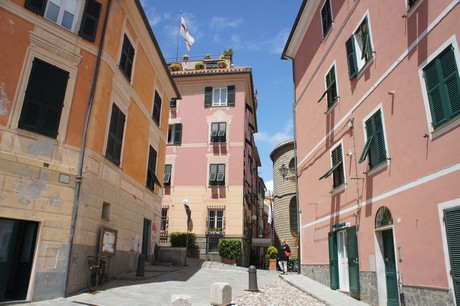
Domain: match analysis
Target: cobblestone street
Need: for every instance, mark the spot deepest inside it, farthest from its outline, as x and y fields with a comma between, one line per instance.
x=277, y=292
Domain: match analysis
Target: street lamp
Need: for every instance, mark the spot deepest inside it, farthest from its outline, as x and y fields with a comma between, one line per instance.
x=188, y=212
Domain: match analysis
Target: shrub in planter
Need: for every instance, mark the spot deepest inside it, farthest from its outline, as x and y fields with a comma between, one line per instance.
x=221, y=64
x=229, y=248
x=185, y=57
x=179, y=239
x=199, y=65
x=272, y=252
x=207, y=56
x=175, y=67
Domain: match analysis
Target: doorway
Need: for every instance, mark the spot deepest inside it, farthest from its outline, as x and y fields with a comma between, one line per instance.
x=17, y=249
x=344, y=284
x=146, y=239
x=452, y=224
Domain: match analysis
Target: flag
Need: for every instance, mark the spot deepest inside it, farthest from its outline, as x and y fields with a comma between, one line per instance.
x=189, y=40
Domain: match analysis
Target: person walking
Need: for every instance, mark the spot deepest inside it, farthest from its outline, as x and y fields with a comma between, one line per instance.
x=283, y=256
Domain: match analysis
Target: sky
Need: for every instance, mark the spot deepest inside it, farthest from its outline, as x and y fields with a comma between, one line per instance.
x=257, y=31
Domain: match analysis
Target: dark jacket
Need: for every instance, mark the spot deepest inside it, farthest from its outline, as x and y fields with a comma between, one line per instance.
x=282, y=253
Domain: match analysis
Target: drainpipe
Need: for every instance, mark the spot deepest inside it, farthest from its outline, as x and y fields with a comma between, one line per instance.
x=83, y=148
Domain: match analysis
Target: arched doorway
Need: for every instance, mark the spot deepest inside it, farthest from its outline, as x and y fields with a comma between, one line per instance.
x=387, y=275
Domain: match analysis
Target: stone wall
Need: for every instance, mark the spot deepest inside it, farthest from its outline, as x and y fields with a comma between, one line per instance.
x=421, y=296
x=369, y=290
x=319, y=273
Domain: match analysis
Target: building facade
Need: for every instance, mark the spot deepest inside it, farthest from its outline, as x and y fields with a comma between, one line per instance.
x=211, y=158
x=83, y=117
x=377, y=108
x=285, y=216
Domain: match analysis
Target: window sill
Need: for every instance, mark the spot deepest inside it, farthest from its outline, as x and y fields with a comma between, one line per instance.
x=366, y=65
x=446, y=127
x=379, y=167
x=339, y=189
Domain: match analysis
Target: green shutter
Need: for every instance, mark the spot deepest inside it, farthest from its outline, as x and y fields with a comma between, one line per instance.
x=434, y=94
x=366, y=40
x=331, y=88
x=379, y=138
x=452, y=222
x=366, y=149
x=353, y=261
x=231, y=95
x=207, y=96
x=333, y=260
x=90, y=19
x=167, y=175
x=178, y=133
x=451, y=80
x=351, y=57
x=36, y=6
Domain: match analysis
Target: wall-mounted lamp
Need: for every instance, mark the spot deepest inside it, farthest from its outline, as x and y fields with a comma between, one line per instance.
x=283, y=171
x=350, y=122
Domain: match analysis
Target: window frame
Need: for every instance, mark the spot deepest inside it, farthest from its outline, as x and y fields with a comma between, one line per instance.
x=209, y=96
x=76, y=16
x=151, y=176
x=109, y=132
x=357, y=63
x=218, y=135
x=373, y=142
x=338, y=177
x=217, y=177
x=167, y=177
x=122, y=52
x=175, y=134
x=157, y=105
x=449, y=120
x=330, y=20
x=214, y=220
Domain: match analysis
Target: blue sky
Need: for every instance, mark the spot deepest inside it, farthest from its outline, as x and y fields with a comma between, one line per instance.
x=257, y=31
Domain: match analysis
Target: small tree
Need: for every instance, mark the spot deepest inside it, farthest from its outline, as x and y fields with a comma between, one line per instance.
x=229, y=248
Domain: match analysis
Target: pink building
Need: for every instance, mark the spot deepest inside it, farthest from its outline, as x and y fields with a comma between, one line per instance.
x=211, y=158
x=377, y=107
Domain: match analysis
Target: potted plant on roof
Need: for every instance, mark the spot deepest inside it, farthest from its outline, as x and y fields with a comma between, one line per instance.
x=175, y=67
x=229, y=250
x=221, y=64
x=272, y=253
x=199, y=65
x=185, y=57
x=207, y=56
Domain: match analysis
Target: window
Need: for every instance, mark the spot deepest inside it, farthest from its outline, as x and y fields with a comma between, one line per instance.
x=217, y=175
x=331, y=88
x=293, y=217
x=127, y=58
x=326, y=17
x=411, y=3
x=90, y=20
x=443, y=87
x=63, y=13
x=105, y=215
x=219, y=96
x=151, y=170
x=359, y=49
x=211, y=244
x=215, y=221
x=156, y=108
x=218, y=132
x=44, y=99
x=167, y=175
x=173, y=103
x=337, y=167
x=115, y=137
x=374, y=149
x=175, y=133
x=292, y=165
x=164, y=221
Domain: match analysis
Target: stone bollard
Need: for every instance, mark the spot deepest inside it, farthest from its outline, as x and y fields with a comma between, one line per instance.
x=221, y=294
x=181, y=300
x=252, y=279
x=140, y=265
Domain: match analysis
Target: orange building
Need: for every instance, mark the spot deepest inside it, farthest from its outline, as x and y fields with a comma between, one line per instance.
x=84, y=105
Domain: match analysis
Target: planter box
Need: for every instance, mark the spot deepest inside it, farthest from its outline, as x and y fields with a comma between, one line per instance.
x=227, y=261
x=272, y=265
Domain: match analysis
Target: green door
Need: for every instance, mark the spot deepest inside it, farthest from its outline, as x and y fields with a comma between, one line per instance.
x=353, y=262
x=146, y=238
x=333, y=260
x=8, y=232
x=452, y=221
x=390, y=268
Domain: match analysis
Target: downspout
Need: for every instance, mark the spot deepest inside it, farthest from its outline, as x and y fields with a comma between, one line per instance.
x=299, y=249
x=83, y=149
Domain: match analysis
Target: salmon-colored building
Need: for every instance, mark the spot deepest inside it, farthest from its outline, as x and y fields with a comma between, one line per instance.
x=377, y=112
x=84, y=104
x=211, y=157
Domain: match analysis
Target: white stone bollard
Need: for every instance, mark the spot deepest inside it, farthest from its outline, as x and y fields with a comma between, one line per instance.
x=181, y=300
x=221, y=294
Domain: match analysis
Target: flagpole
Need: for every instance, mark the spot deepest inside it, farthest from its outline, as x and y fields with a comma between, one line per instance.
x=178, y=34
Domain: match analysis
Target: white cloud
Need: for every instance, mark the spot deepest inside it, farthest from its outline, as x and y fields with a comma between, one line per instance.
x=269, y=186
x=223, y=22
x=276, y=138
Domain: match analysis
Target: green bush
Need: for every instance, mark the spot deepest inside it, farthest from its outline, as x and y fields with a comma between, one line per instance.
x=272, y=252
x=293, y=264
x=175, y=67
x=179, y=239
x=199, y=65
x=229, y=248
